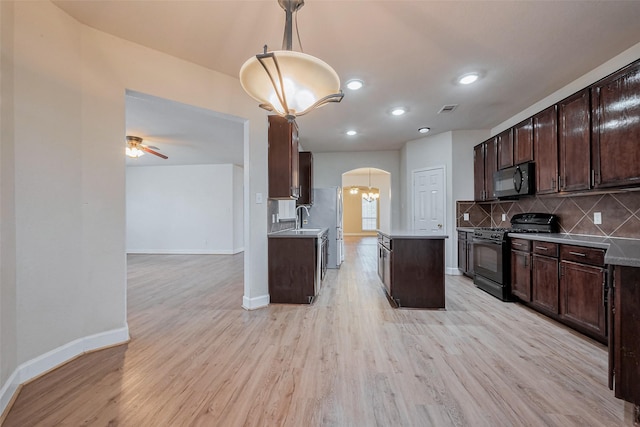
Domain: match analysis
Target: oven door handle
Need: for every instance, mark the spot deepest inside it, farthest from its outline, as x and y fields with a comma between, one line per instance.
x=484, y=241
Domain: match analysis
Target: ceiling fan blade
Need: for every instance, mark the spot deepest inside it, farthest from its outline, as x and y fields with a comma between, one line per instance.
x=153, y=147
x=149, y=150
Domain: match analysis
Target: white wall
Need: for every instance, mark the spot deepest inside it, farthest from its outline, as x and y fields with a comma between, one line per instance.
x=238, y=209
x=182, y=209
x=63, y=182
x=329, y=167
x=381, y=181
x=453, y=151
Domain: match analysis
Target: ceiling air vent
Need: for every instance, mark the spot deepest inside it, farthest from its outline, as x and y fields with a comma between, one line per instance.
x=448, y=108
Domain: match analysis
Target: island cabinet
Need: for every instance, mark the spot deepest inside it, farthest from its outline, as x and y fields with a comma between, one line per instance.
x=416, y=273
x=624, y=339
x=293, y=269
x=616, y=128
x=305, y=165
x=485, y=164
x=544, y=293
x=521, y=269
x=284, y=181
x=545, y=150
x=574, y=140
x=583, y=289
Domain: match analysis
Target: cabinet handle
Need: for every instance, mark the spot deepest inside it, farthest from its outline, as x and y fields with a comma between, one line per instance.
x=578, y=254
x=542, y=248
x=593, y=177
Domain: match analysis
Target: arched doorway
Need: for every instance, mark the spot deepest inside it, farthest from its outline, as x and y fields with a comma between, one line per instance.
x=367, y=201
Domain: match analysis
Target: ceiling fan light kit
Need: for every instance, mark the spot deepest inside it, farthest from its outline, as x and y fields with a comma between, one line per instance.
x=286, y=82
x=135, y=148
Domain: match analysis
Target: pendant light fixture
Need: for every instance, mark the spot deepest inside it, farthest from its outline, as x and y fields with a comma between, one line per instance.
x=370, y=196
x=287, y=82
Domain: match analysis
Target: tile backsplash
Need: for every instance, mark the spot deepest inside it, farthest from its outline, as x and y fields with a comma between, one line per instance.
x=620, y=213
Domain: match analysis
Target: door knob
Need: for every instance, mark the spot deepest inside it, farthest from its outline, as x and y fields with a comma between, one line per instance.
x=439, y=225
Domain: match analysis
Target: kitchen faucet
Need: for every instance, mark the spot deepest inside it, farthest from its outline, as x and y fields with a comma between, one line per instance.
x=298, y=219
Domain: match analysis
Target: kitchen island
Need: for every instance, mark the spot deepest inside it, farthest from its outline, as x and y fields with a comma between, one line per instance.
x=411, y=268
x=297, y=263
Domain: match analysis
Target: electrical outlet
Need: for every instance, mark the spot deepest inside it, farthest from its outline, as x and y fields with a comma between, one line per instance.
x=258, y=197
x=465, y=216
x=504, y=217
x=597, y=218
x=273, y=218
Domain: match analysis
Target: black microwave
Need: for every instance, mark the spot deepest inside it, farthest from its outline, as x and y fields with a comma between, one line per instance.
x=514, y=181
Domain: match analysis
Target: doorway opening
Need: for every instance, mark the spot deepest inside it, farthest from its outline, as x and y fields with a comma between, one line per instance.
x=367, y=201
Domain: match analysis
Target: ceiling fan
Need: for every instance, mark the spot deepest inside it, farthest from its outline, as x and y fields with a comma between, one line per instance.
x=135, y=148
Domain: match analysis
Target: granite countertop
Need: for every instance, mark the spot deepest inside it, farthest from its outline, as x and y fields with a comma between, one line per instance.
x=412, y=234
x=300, y=233
x=624, y=252
x=469, y=229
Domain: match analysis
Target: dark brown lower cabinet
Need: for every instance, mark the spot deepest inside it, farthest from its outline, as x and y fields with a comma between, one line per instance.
x=544, y=294
x=292, y=270
x=521, y=275
x=624, y=343
x=582, y=301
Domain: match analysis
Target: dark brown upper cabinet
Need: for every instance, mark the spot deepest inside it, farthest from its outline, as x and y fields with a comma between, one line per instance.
x=305, y=164
x=523, y=142
x=616, y=128
x=484, y=165
x=505, y=148
x=478, y=172
x=545, y=148
x=283, y=159
x=574, y=137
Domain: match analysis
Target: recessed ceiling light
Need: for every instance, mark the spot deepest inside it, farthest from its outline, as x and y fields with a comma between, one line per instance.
x=467, y=79
x=424, y=130
x=351, y=132
x=354, y=84
x=398, y=111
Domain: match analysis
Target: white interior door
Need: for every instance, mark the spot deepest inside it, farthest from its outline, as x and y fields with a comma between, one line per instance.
x=428, y=200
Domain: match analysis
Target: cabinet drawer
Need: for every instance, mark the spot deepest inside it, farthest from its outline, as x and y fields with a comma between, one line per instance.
x=545, y=248
x=521, y=245
x=582, y=255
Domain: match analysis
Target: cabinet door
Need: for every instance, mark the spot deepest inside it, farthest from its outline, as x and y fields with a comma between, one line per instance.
x=470, y=270
x=478, y=172
x=490, y=167
x=462, y=255
x=582, y=296
x=283, y=159
x=305, y=166
x=574, y=116
x=545, y=147
x=523, y=142
x=545, y=283
x=626, y=345
x=521, y=275
x=616, y=129
x=505, y=149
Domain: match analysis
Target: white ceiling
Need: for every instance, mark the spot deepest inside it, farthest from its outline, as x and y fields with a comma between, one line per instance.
x=407, y=52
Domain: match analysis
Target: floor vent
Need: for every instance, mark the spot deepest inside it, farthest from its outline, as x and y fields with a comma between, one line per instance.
x=448, y=108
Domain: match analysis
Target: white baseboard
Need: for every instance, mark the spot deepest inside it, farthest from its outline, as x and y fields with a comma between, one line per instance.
x=453, y=271
x=56, y=357
x=254, y=303
x=185, y=251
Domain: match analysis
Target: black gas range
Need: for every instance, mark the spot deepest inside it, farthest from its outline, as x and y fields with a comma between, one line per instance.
x=491, y=251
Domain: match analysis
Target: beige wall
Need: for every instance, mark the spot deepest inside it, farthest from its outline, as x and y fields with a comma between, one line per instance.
x=63, y=288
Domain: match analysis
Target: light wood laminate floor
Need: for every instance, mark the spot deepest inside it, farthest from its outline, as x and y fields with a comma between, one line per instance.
x=197, y=358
